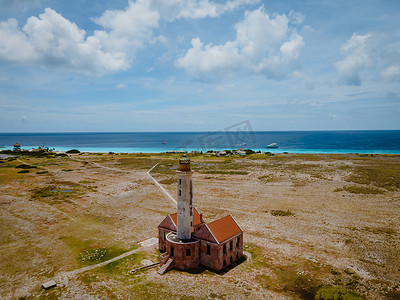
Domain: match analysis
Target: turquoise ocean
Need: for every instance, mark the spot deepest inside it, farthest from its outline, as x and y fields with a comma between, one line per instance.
x=379, y=141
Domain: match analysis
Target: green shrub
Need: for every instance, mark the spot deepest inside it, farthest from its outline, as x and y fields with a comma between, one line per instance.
x=73, y=151
x=249, y=151
x=42, y=172
x=335, y=293
x=281, y=213
x=23, y=166
x=383, y=175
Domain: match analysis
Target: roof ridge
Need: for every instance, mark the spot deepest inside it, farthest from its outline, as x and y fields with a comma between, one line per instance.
x=212, y=234
x=172, y=220
x=224, y=228
x=236, y=222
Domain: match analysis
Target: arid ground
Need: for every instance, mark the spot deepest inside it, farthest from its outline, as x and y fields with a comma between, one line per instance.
x=314, y=225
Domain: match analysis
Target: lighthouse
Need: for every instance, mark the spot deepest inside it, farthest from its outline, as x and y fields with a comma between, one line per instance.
x=187, y=241
x=185, y=199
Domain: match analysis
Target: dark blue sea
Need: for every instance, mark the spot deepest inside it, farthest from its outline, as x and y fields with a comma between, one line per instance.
x=385, y=141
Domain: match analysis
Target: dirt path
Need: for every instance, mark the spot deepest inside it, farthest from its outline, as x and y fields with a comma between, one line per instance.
x=125, y=171
x=62, y=278
x=159, y=185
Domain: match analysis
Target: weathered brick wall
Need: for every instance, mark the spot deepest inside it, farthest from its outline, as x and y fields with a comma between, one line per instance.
x=181, y=260
x=210, y=260
x=162, y=233
x=217, y=259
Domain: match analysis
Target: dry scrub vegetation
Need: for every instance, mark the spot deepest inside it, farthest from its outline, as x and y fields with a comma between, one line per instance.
x=315, y=226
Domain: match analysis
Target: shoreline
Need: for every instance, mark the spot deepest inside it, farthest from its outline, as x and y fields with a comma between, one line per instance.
x=189, y=150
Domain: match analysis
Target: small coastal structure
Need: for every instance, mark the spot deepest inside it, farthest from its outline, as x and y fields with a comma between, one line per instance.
x=187, y=242
x=239, y=151
x=17, y=147
x=41, y=149
x=221, y=153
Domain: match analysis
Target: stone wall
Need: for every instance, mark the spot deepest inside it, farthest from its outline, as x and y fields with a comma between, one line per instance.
x=217, y=259
x=162, y=233
x=186, y=255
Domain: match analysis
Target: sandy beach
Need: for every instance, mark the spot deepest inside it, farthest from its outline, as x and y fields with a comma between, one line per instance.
x=312, y=223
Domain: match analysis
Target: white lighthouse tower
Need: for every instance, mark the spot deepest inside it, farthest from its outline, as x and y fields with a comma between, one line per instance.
x=185, y=200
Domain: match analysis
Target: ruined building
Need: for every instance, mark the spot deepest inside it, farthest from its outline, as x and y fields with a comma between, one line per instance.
x=188, y=242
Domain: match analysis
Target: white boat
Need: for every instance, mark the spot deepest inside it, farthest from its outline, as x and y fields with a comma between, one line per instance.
x=272, y=145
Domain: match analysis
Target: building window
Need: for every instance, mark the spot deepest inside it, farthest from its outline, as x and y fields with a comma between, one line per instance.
x=238, y=241
x=180, y=181
x=208, y=249
x=164, y=235
x=172, y=251
x=224, y=264
x=237, y=255
x=231, y=245
x=179, y=192
x=231, y=259
x=188, y=252
x=224, y=249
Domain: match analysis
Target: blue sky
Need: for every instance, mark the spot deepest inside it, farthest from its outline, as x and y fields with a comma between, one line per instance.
x=201, y=65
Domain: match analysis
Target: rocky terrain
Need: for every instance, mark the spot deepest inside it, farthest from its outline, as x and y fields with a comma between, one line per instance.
x=314, y=225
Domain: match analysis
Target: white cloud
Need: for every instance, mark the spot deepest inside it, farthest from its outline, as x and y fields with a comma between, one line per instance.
x=17, y=48
x=263, y=44
x=128, y=28
x=53, y=41
x=120, y=86
x=171, y=10
x=391, y=73
x=358, y=51
x=296, y=17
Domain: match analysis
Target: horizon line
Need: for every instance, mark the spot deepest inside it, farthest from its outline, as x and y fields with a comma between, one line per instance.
x=206, y=131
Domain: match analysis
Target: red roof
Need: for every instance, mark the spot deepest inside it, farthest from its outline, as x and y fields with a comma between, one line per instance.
x=224, y=228
x=196, y=217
